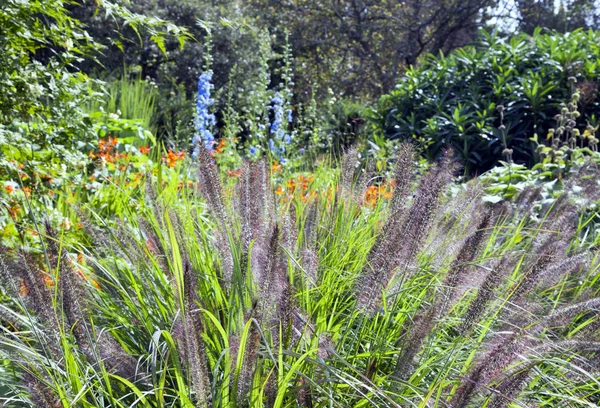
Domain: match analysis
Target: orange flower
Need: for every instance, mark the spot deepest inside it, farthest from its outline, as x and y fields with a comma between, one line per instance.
x=144, y=150
x=387, y=193
x=13, y=211
x=234, y=173
x=9, y=188
x=48, y=281
x=279, y=191
x=173, y=158
x=291, y=185
x=276, y=167
x=23, y=291
x=371, y=196
x=27, y=191
x=220, y=147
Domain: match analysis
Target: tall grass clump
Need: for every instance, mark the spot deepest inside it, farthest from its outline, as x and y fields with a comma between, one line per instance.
x=232, y=296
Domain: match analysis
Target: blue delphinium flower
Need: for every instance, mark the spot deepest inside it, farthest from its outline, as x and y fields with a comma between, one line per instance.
x=276, y=127
x=204, y=119
x=253, y=150
x=279, y=136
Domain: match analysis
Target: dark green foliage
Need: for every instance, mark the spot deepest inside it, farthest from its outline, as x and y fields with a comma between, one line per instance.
x=452, y=100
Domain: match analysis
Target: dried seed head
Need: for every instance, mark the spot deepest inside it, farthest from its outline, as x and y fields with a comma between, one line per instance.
x=347, y=172
x=466, y=255
x=210, y=186
x=249, y=363
x=510, y=388
x=310, y=266
x=499, y=271
x=413, y=342
x=41, y=394
x=394, y=252
x=196, y=359
x=311, y=220
x=489, y=367
x=402, y=179
x=115, y=359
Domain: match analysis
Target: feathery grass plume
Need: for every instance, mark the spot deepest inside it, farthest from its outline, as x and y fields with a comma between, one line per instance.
x=285, y=307
x=196, y=359
x=403, y=175
x=547, y=247
x=212, y=190
x=425, y=203
x=276, y=296
x=514, y=380
x=304, y=395
x=41, y=394
x=250, y=358
x=310, y=266
x=388, y=240
x=75, y=307
x=253, y=191
x=225, y=255
x=514, y=344
x=527, y=197
x=509, y=389
x=71, y=294
x=258, y=259
x=529, y=279
x=310, y=225
x=347, y=173
x=210, y=186
x=154, y=245
x=270, y=282
x=24, y=280
x=290, y=231
x=260, y=187
x=412, y=342
x=326, y=346
x=423, y=325
x=567, y=313
x=115, y=359
x=485, y=294
x=551, y=275
x=389, y=256
x=489, y=366
x=462, y=263
x=365, y=176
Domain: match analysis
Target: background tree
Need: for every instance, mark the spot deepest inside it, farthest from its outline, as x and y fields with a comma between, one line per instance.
x=360, y=47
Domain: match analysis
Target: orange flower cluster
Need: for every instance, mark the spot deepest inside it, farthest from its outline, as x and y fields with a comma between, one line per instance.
x=276, y=167
x=298, y=186
x=144, y=150
x=234, y=173
x=220, y=147
x=376, y=192
x=107, y=151
x=173, y=157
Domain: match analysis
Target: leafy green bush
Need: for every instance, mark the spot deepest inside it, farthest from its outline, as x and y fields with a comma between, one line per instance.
x=452, y=100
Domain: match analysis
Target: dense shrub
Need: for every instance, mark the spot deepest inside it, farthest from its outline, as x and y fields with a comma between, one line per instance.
x=452, y=100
